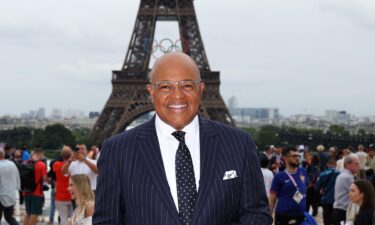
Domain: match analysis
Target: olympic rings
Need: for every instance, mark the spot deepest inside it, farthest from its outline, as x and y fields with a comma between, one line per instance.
x=164, y=46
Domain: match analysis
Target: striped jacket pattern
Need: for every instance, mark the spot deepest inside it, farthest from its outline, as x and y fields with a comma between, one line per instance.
x=132, y=187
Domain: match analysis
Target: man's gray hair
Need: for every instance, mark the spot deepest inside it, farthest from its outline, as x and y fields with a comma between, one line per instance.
x=2, y=153
x=350, y=159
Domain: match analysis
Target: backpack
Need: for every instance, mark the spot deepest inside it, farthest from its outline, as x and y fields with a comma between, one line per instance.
x=27, y=176
x=309, y=220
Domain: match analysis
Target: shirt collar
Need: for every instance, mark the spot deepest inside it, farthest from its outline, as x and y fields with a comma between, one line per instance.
x=347, y=171
x=165, y=130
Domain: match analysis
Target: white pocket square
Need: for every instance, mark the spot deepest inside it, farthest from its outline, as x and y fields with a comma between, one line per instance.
x=230, y=175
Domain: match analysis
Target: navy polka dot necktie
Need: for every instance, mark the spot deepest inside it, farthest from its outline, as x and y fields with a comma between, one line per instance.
x=185, y=179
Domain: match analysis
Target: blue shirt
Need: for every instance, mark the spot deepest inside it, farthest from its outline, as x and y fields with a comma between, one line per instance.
x=284, y=189
x=25, y=156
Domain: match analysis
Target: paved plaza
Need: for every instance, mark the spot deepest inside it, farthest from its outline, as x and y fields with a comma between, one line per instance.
x=20, y=211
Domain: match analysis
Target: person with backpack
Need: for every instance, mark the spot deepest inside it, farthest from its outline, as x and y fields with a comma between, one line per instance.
x=34, y=199
x=326, y=187
x=9, y=184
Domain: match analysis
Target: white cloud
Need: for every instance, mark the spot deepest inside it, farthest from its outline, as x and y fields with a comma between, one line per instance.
x=87, y=72
x=361, y=12
x=288, y=54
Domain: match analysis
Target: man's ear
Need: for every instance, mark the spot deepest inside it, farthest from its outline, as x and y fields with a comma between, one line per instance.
x=150, y=91
x=201, y=87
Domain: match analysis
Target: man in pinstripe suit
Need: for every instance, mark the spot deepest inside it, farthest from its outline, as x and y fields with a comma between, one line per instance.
x=137, y=170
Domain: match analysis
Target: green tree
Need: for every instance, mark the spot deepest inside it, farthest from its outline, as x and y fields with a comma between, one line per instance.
x=362, y=132
x=252, y=131
x=338, y=130
x=267, y=135
x=82, y=135
x=38, y=137
x=57, y=135
x=17, y=136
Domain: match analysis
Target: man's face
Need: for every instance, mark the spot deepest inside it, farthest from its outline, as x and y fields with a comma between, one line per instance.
x=293, y=159
x=177, y=106
x=277, y=150
x=37, y=156
x=82, y=149
x=354, y=166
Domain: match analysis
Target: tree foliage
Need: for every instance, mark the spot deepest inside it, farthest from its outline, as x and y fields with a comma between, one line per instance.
x=17, y=136
x=282, y=136
x=56, y=136
x=268, y=135
x=52, y=137
x=82, y=136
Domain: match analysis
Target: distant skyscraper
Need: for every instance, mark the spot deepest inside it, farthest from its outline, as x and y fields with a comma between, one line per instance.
x=72, y=113
x=337, y=116
x=246, y=115
x=25, y=116
x=232, y=102
x=93, y=115
x=32, y=114
x=41, y=113
x=57, y=114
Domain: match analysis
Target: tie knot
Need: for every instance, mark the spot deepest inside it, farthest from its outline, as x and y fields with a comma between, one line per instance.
x=179, y=135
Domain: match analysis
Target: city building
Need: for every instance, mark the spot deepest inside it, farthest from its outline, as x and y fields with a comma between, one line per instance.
x=244, y=116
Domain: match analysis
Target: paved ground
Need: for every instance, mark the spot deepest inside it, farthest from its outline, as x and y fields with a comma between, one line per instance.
x=20, y=211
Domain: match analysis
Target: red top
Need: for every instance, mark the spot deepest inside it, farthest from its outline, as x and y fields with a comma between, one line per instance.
x=62, y=183
x=40, y=171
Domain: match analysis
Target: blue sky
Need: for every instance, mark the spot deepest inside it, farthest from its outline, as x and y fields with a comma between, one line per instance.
x=301, y=56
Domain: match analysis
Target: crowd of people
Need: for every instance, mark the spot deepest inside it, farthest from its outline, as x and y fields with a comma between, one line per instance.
x=297, y=180
x=300, y=180
x=71, y=179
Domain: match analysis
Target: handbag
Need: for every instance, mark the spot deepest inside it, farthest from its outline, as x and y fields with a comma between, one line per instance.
x=309, y=220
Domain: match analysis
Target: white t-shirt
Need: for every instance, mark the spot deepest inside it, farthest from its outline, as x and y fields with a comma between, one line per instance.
x=78, y=167
x=268, y=177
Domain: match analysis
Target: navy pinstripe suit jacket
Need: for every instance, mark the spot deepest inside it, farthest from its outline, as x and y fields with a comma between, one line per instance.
x=132, y=186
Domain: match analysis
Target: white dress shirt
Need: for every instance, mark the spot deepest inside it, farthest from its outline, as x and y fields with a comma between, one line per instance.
x=168, y=147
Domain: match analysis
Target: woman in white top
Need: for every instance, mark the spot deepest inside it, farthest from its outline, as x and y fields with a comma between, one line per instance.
x=80, y=190
x=267, y=174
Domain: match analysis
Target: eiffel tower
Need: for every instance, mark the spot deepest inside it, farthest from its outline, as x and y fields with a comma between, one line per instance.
x=129, y=98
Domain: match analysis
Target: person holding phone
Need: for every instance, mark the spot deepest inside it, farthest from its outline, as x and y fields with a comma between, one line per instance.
x=79, y=163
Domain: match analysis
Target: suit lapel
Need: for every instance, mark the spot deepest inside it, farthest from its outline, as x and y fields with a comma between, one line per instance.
x=152, y=155
x=209, y=154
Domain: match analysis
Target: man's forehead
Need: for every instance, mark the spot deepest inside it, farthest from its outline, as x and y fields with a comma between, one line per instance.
x=174, y=64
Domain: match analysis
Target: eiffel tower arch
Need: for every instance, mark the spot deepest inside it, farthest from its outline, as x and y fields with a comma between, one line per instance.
x=129, y=98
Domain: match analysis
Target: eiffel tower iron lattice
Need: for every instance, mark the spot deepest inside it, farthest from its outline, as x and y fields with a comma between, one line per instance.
x=129, y=98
